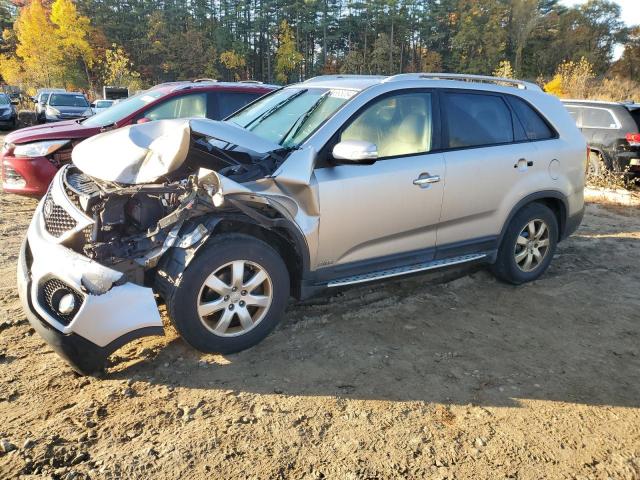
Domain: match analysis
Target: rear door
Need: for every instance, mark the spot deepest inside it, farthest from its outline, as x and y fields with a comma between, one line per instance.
x=490, y=165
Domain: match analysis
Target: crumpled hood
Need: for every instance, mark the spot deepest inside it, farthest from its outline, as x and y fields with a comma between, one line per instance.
x=145, y=152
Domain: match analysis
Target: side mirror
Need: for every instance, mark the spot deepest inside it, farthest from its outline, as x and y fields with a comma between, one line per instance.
x=355, y=151
x=93, y=105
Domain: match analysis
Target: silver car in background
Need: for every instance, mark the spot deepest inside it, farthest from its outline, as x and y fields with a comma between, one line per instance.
x=335, y=181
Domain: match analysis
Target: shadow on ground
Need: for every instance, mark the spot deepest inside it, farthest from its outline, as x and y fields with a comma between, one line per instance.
x=572, y=336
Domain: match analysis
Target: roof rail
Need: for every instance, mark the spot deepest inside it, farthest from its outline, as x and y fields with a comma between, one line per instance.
x=257, y=82
x=202, y=80
x=322, y=78
x=521, y=84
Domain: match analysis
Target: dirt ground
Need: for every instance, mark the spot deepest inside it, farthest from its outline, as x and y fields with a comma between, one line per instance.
x=429, y=377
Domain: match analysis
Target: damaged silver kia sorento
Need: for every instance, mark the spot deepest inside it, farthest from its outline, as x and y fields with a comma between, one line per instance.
x=335, y=181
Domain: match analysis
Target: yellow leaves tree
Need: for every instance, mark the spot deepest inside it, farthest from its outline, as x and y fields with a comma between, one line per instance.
x=52, y=47
x=554, y=86
x=11, y=70
x=72, y=35
x=118, y=69
x=572, y=79
x=37, y=49
x=234, y=62
x=288, y=58
x=504, y=70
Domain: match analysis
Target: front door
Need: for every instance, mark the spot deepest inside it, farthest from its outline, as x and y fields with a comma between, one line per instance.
x=391, y=207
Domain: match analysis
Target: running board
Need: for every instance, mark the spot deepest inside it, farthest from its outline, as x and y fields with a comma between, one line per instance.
x=396, y=272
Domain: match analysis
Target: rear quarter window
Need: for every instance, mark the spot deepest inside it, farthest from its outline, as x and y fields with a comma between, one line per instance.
x=535, y=127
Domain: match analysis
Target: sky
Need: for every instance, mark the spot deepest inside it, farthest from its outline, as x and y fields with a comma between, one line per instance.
x=630, y=15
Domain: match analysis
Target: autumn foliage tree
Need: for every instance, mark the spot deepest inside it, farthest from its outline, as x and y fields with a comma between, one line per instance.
x=52, y=47
x=288, y=58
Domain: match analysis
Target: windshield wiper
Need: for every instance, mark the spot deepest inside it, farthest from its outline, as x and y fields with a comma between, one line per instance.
x=277, y=106
x=298, y=124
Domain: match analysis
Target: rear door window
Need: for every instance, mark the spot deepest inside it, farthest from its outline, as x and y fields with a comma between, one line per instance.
x=593, y=117
x=185, y=106
x=474, y=120
x=535, y=127
x=231, y=102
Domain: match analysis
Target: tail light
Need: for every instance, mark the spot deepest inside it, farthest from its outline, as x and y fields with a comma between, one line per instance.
x=633, y=139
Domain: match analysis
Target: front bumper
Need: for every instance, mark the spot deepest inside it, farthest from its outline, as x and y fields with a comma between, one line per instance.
x=112, y=312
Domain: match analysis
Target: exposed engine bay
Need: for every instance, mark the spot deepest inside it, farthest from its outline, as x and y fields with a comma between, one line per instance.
x=157, y=187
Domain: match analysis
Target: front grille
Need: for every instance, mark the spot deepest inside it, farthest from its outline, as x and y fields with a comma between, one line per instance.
x=80, y=183
x=56, y=220
x=51, y=291
x=79, y=186
x=73, y=196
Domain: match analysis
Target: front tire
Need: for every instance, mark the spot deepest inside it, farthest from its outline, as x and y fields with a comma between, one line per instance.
x=231, y=296
x=528, y=245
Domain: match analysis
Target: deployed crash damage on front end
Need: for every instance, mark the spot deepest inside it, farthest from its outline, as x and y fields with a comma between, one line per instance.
x=122, y=223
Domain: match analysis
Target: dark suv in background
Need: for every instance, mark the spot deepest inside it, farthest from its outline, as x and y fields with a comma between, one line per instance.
x=612, y=131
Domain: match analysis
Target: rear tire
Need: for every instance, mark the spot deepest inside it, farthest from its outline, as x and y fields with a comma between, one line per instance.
x=528, y=245
x=231, y=296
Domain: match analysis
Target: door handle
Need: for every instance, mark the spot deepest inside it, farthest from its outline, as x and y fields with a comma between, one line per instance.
x=523, y=163
x=426, y=180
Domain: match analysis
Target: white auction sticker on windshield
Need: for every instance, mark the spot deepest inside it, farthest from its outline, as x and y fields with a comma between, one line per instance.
x=342, y=94
x=147, y=98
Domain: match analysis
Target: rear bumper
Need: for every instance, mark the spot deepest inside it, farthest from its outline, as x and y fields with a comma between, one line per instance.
x=37, y=174
x=112, y=312
x=573, y=222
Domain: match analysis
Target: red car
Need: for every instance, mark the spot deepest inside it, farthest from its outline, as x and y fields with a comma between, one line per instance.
x=31, y=156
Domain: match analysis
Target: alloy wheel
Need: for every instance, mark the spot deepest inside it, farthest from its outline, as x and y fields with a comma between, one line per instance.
x=532, y=245
x=235, y=298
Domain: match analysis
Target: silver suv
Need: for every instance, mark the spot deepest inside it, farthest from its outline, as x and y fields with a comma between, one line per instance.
x=335, y=181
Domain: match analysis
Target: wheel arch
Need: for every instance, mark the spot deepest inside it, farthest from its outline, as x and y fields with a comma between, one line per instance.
x=289, y=246
x=552, y=199
x=279, y=233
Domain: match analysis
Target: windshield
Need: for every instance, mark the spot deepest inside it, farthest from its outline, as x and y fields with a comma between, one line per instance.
x=123, y=109
x=62, y=100
x=4, y=100
x=290, y=115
